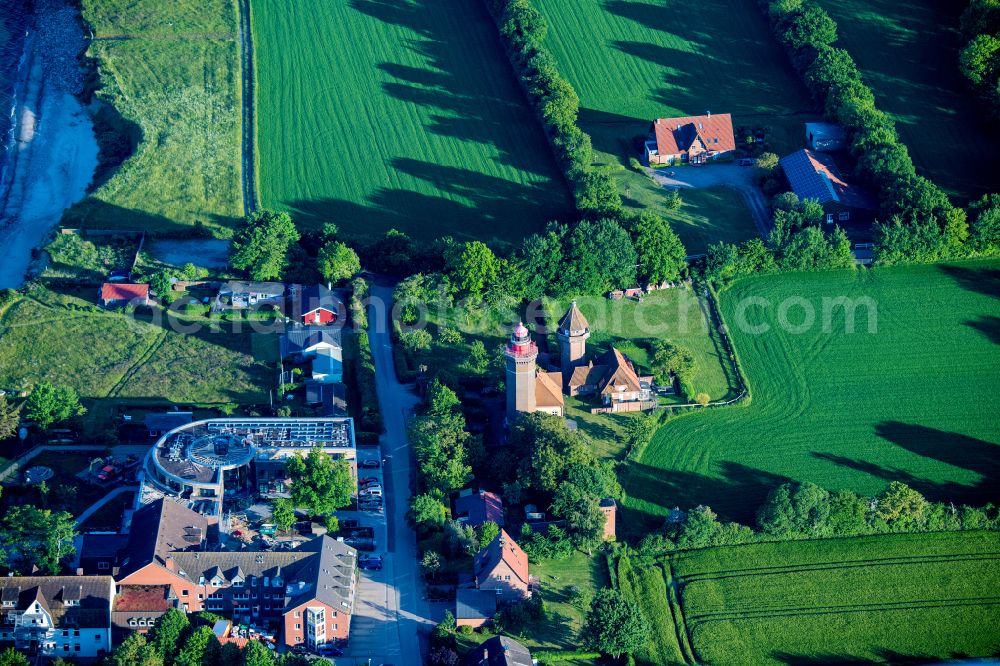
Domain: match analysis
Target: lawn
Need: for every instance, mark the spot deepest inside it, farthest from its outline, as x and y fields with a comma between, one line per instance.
x=896, y=598
x=678, y=315
x=633, y=61
x=705, y=216
x=912, y=401
x=113, y=359
x=400, y=115
x=908, y=54
x=175, y=81
x=567, y=587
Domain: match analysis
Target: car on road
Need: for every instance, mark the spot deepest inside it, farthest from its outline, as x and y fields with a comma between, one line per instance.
x=371, y=463
x=370, y=562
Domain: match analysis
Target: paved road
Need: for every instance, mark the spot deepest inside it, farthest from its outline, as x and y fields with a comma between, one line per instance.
x=390, y=611
x=720, y=175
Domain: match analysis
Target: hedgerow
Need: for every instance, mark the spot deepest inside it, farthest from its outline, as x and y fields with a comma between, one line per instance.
x=522, y=31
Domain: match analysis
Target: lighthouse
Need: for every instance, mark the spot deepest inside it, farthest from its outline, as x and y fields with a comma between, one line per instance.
x=521, y=353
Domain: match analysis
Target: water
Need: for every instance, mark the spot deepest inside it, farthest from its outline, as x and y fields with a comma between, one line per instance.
x=15, y=18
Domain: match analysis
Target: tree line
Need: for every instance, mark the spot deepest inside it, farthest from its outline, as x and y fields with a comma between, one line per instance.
x=919, y=223
x=979, y=60
x=807, y=511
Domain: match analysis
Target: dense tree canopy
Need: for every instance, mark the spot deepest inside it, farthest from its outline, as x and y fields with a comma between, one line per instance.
x=614, y=625
x=48, y=404
x=321, y=484
x=260, y=247
x=338, y=262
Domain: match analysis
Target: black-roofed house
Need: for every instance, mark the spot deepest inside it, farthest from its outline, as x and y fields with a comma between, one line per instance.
x=322, y=347
x=814, y=175
x=499, y=651
x=57, y=616
x=474, y=608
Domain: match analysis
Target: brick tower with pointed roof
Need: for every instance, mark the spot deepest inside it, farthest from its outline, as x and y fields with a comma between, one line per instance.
x=572, y=333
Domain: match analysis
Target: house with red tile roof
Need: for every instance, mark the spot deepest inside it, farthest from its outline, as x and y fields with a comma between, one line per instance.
x=115, y=294
x=503, y=567
x=475, y=507
x=690, y=139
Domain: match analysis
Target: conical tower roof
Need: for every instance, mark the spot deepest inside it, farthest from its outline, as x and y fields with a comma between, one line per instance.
x=573, y=322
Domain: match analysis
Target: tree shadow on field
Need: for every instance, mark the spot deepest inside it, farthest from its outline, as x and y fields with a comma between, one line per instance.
x=483, y=208
x=479, y=104
x=735, y=494
x=885, y=656
x=685, y=87
x=950, y=448
x=979, y=280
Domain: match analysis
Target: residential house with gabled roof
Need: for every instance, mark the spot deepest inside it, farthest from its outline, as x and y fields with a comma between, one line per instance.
x=57, y=616
x=316, y=305
x=814, y=175
x=612, y=377
x=503, y=567
x=474, y=608
x=137, y=607
x=690, y=139
x=499, y=651
x=475, y=507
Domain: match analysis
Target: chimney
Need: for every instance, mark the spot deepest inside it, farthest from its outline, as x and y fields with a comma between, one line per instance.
x=708, y=113
x=170, y=564
x=79, y=571
x=329, y=285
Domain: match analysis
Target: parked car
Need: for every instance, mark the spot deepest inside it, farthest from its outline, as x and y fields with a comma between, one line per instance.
x=348, y=523
x=330, y=651
x=371, y=492
x=371, y=562
x=371, y=463
x=367, y=481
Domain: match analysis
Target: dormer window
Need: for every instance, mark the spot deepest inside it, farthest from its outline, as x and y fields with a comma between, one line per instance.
x=237, y=583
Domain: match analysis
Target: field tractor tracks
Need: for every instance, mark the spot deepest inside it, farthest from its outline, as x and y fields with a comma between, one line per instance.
x=248, y=159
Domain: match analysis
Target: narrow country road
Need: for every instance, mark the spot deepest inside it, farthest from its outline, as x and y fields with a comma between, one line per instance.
x=387, y=624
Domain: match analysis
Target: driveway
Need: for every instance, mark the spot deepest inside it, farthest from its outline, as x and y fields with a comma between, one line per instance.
x=390, y=610
x=719, y=175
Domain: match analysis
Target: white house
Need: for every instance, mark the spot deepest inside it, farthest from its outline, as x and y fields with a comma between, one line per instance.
x=57, y=616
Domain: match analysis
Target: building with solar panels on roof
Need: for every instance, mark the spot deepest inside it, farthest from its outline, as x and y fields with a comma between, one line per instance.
x=218, y=465
x=814, y=175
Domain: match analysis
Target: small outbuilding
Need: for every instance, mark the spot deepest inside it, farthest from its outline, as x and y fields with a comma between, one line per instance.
x=317, y=305
x=117, y=294
x=825, y=136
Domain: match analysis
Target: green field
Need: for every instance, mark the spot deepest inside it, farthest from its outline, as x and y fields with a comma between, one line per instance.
x=908, y=54
x=113, y=359
x=400, y=115
x=890, y=598
x=633, y=61
x=914, y=401
x=170, y=79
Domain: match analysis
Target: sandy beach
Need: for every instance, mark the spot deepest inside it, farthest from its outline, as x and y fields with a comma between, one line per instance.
x=55, y=154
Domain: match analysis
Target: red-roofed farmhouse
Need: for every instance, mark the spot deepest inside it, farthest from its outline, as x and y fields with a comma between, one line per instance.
x=691, y=139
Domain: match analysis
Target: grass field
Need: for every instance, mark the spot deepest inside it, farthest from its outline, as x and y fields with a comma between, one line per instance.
x=112, y=359
x=676, y=314
x=705, y=216
x=172, y=71
x=633, y=61
x=908, y=53
x=895, y=598
x=912, y=401
x=399, y=115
